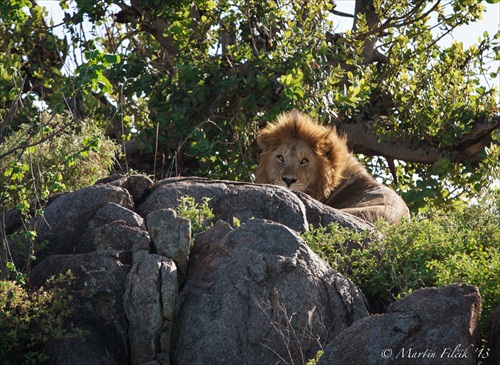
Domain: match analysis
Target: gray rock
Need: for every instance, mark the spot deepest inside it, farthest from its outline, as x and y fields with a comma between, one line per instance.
x=97, y=309
x=149, y=300
x=255, y=294
x=64, y=223
x=429, y=326
x=133, y=241
x=491, y=354
x=319, y=214
x=112, y=212
x=136, y=185
x=259, y=295
x=171, y=236
x=229, y=199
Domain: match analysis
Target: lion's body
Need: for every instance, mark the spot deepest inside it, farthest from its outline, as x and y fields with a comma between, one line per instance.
x=299, y=154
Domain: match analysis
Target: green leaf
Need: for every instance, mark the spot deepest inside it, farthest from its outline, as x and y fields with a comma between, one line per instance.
x=110, y=59
x=209, y=5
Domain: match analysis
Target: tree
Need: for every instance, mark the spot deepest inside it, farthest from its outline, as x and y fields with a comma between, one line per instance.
x=189, y=83
x=47, y=144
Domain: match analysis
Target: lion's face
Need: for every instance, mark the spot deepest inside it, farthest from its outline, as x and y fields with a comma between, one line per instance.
x=292, y=165
x=299, y=154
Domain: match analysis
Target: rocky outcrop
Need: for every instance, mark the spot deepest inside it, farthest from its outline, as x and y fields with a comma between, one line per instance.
x=248, y=201
x=253, y=293
x=267, y=296
x=429, y=326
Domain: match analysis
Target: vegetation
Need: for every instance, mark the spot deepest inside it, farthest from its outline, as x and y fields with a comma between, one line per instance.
x=30, y=318
x=435, y=250
x=65, y=157
x=188, y=84
x=200, y=214
x=52, y=156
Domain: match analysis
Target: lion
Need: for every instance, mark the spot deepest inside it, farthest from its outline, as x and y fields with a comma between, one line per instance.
x=299, y=154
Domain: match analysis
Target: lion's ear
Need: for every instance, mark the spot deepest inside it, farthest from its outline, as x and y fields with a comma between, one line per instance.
x=325, y=145
x=264, y=141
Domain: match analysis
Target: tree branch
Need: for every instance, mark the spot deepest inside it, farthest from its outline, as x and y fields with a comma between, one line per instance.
x=362, y=139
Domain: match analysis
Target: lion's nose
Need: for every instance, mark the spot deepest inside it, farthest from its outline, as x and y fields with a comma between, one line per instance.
x=289, y=180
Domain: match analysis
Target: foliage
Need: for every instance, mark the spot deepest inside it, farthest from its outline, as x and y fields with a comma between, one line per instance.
x=30, y=318
x=190, y=83
x=200, y=214
x=64, y=157
x=52, y=156
x=316, y=358
x=30, y=65
x=440, y=249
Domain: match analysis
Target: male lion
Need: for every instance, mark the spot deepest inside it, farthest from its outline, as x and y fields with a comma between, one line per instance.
x=299, y=154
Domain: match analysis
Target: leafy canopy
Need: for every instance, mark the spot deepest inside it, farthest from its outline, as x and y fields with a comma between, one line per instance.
x=189, y=83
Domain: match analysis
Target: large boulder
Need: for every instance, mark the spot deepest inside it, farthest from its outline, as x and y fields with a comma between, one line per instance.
x=429, y=326
x=258, y=295
x=97, y=310
x=64, y=223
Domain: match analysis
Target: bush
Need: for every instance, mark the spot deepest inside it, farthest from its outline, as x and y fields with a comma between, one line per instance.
x=55, y=154
x=437, y=250
x=29, y=319
x=52, y=154
x=200, y=214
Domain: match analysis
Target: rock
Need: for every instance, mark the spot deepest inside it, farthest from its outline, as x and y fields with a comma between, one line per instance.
x=491, y=355
x=258, y=295
x=97, y=311
x=133, y=242
x=150, y=297
x=136, y=185
x=229, y=199
x=321, y=215
x=255, y=294
x=114, y=179
x=246, y=201
x=171, y=236
x=113, y=212
x=64, y=223
x=119, y=228
x=428, y=326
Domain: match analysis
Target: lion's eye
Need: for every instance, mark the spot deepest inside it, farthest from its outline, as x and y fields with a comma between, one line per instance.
x=280, y=158
x=304, y=161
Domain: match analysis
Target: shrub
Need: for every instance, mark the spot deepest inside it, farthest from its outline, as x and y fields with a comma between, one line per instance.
x=30, y=318
x=56, y=154
x=50, y=155
x=199, y=214
x=437, y=250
